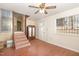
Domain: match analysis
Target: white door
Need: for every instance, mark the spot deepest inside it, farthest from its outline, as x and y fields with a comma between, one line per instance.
x=42, y=30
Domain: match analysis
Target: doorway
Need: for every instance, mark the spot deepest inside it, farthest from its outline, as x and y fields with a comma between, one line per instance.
x=19, y=26
x=42, y=30
x=18, y=22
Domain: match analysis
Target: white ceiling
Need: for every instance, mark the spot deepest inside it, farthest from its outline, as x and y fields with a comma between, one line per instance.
x=24, y=9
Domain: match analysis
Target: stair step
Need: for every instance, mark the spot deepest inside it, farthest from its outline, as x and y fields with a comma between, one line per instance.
x=19, y=34
x=19, y=37
x=22, y=46
x=22, y=40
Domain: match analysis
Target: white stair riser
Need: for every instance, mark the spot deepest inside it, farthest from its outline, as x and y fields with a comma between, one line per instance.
x=19, y=34
x=22, y=46
x=23, y=42
x=20, y=40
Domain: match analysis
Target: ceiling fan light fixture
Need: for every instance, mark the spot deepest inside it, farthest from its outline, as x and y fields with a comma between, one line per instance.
x=42, y=10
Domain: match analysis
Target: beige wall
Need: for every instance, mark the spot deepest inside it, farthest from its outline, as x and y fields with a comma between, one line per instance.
x=30, y=21
x=47, y=31
x=23, y=23
x=5, y=36
x=0, y=20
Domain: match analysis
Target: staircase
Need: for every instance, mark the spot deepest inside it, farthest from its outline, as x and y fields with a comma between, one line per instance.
x=20, y=40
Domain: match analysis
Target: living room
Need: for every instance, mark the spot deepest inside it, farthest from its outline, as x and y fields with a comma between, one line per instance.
x=29, y=30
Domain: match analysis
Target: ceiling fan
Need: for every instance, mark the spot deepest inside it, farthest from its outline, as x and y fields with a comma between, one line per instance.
x=42, y=8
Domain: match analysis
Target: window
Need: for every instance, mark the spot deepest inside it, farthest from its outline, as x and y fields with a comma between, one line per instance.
x=68, y=24
x=5, y=21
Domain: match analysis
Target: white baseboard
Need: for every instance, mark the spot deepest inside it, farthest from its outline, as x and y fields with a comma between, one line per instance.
x=65, y=47
x=75, y=50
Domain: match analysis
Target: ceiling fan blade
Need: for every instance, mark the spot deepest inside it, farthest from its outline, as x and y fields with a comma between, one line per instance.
x=42, y=4
x=36, y=11
x=45, y=12
x=50, y=7
x=33, y=6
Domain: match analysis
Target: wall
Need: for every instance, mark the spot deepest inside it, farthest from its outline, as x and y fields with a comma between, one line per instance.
x=47, y=31
x=6, y=35
x=0, y=20
x=23, y=23
x=30, y=21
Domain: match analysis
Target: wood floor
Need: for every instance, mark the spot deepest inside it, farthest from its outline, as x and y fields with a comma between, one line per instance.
x=38, y=48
